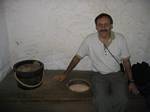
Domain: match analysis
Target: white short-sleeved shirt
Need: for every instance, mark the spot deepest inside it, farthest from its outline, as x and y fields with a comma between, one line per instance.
x=101, y=59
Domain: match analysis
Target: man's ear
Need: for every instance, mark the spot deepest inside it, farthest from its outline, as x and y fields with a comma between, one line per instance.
x=96, y=28
x=111, y=26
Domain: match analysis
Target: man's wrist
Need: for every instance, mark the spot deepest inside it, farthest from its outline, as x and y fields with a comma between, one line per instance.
x=131, y=81
x=65, y=73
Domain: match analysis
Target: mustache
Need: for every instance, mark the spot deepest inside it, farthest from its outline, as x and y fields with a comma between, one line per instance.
x=104, y=30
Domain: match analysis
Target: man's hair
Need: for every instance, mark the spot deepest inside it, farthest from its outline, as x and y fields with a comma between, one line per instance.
x=104, y=15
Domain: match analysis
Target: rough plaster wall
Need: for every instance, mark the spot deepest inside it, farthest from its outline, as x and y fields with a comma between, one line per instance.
x=52, y=30
x=4, y=45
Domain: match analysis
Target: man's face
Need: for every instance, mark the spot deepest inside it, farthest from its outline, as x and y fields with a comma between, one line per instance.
x=103, y=26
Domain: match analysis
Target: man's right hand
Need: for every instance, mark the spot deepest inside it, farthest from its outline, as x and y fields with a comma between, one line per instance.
x=73, y=63
x=60, y=77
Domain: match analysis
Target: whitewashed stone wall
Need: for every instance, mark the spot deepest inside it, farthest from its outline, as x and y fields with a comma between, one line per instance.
x=4, y=44
x=52, y=30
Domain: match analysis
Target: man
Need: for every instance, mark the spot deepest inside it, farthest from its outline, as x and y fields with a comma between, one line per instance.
x=106, y=49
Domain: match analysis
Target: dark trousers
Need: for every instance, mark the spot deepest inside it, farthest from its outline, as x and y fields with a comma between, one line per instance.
x=110, y=92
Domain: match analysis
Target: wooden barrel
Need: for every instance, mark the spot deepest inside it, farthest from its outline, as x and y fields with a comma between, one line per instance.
x=28, y=73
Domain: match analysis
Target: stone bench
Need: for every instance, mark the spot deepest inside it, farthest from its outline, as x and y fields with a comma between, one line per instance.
x=53, y=96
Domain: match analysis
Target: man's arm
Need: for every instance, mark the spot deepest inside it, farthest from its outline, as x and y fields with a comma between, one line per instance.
x=76, y=59
x=128, y=70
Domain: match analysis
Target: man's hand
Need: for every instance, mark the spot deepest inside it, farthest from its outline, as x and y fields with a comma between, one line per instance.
x=60, y=77
x=133, y=89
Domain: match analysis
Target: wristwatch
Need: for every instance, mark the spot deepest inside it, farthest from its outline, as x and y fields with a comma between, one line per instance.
x=131, y=81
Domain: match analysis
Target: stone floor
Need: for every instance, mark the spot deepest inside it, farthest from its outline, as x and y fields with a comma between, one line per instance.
x=53, y=96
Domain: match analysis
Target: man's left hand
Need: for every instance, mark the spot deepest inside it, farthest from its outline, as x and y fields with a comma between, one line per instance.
x=133, y=89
